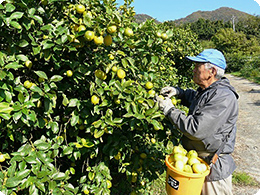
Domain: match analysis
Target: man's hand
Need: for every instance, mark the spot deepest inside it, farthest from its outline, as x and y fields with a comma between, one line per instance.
x=164, y=105
x=169, y=91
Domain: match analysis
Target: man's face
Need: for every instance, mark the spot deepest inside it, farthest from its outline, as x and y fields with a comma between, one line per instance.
x=200, y=74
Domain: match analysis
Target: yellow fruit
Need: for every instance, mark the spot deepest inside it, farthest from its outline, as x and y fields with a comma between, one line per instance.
x=109, y=184
x=81, y=28
x=158, y=34
x=86, y=191
x=87, y=14
x=187, y=169
x=134, y=177
x=153, y=140
x=164, y=36
x=143, y=155
x=80, y=8
x=28, y=63
x=185, y=159
x=108, y=40
x=27, y=84
x=89, y=35
x=179, y=165
x=111, y=57
x=128, y=32
x=192, y=153
x=100, y=74
x=69, y=73
x=44, y=2
x=117, y=101
x=94, y=99
x=114, y=69
x=177, y=149
x=192, y=161
x=40, y=79
x=120, y=73
x=111, y=29
x=98, y=40
x=177, y=157
x=174, y=101
x=160, y=96
x=151, y=92
x=169, y=49
x=2, y=158
x=39, y=104
x=118, y=156
x=198, y=168
x=149, y=85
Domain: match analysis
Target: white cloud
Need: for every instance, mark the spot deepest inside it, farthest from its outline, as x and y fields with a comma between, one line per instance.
x=258, y=1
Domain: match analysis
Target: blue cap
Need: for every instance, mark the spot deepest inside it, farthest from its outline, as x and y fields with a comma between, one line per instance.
x=210, y=55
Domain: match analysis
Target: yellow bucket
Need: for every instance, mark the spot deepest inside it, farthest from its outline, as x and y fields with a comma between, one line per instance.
x=183, y=183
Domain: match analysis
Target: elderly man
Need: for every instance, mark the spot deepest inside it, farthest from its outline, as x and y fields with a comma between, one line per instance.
x=210, y=127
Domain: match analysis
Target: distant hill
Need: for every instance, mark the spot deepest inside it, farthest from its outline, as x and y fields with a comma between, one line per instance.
x=223, y=13
x=140, y=18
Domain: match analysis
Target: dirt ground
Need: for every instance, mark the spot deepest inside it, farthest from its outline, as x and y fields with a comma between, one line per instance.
x=247, y=148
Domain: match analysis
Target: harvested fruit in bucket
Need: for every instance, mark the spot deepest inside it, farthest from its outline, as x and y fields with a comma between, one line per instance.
x=186, y=161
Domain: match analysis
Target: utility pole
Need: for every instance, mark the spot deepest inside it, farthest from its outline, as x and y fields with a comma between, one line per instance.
x=233, y=23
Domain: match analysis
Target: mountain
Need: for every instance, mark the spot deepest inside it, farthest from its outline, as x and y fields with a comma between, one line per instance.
x=223, y=13
x=140, y=18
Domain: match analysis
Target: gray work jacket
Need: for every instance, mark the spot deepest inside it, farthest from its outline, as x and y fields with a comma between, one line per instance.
x=212, y=116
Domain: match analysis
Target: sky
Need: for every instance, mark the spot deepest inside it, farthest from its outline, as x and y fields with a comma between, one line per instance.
x=165, y=10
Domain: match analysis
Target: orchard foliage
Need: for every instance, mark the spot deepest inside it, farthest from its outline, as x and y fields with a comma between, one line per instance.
x=75, y=115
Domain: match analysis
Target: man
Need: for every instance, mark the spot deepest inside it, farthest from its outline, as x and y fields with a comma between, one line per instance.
x=211, y=121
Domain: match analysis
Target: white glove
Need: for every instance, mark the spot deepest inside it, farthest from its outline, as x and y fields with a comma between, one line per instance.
x=169, y=92
x=164, y=105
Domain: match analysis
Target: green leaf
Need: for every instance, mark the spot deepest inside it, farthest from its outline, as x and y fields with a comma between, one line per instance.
x=37, y=89
x=74, y=120
x=22, y=174
x=38, y=18
x=67, y=150
x=73, y=102
x=56, y=78
x=13, y=65
x=30, y=159
x=40, y=185
x=42, y=146
x=65, y=100
x=5, y=108
x=155, y=59
x=58, y=176
x=12, y=182
x=23, y=43
x=36, y=50
x=47, y=44
x=54, y=127
x=22, y=57
x=124, y=62
x=41, y=74
x=10, y=7
x=17, y=116
x=16, y=15
x=98, y=133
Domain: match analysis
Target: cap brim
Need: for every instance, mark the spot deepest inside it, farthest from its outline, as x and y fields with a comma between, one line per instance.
x=196, y=59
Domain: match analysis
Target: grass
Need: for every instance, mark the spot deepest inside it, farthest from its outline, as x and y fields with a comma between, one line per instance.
x=243, y=179
x=238, y=178
x=158, y=186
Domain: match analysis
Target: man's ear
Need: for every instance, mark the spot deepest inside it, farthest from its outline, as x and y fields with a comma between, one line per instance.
x=213, y=71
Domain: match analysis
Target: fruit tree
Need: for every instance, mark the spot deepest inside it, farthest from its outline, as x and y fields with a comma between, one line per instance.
x=76, y=112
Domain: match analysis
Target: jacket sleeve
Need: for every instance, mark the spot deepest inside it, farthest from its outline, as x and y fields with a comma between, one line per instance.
x=186, y=96
x=208, y=120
